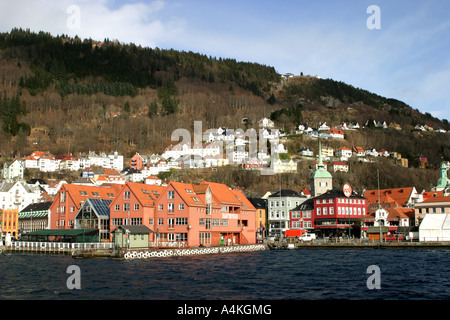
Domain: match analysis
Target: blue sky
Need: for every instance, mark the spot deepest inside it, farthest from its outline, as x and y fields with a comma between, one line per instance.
x=407, y=58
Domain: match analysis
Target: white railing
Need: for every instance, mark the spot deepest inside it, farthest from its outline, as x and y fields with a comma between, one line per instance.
x=167, y=244
x=36, y=246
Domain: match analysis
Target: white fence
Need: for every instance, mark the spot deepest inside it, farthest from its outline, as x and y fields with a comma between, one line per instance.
x=53, y=246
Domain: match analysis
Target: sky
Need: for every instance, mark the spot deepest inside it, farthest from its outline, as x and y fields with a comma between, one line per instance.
x=395, y=48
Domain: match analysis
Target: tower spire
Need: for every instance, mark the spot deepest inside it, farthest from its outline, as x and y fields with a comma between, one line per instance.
x=320, y=166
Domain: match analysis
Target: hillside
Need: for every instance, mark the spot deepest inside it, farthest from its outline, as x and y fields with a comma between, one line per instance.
x=67, y=95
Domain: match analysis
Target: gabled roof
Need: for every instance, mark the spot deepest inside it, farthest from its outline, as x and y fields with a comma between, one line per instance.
x=79, y=193
x=285, y=193
x=437, y=199
x=400, y=195
x=146, y=194
x=222, y=192
x=306, y=205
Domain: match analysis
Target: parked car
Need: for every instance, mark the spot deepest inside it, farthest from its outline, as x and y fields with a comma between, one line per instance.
x=307, y=237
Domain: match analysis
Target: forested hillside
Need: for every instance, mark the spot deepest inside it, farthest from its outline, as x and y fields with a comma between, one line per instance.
x=68, y=95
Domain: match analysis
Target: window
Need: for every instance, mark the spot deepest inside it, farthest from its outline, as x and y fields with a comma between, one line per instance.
x=171, y=207
x=126, y=195
x=325, y=211
x=170, y=194
x=160, y=207
x=215, y=222
x=208, y=223
x=318, y=211
x=160, y=221
x=224, y=222
x=150, y=221
x=136, y=206
x=126, y=207
x=181, y=206
x=170, y=223
x=188, y=190
x=196, y=199
x=181, y=221
x=331, y=210
x=205, y=238
x=117, y=207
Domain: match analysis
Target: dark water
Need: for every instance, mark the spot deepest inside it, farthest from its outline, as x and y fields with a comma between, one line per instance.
x=267, y=275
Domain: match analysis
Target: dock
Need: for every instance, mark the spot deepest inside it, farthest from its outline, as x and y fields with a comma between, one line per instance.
x=276, y=245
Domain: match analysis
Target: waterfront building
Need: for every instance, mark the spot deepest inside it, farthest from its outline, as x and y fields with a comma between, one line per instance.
x=131, y=237
x=436, y=204
x=71, y=197
x=435, y=228
x=135, y=205
x=10, y=222
x=35, y=217
x=94, y=215
x=335, y=214
x=280, y=204
x=261, y=217
x=208, y=214
x=301, y=216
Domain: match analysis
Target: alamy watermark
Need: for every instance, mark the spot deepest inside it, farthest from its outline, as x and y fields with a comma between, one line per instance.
x=374, y=20
x=74, y=280
x=374, y=280
x=73, y=22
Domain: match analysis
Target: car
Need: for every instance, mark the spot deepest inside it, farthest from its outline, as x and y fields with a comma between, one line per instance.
x=307, y=237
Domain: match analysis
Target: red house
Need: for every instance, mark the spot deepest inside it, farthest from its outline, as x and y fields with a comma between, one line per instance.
x=208, y=214
x=135, y=205
x=69, y=199
x=336, y=215
x=137, y=162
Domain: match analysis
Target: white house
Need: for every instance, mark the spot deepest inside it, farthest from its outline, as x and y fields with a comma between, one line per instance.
x=338, y=166
x=265, y=123
x=343, y=153
x=18, y=194
x=305, y=152
x=14, y=169
x=323, y=127
x=371, y=152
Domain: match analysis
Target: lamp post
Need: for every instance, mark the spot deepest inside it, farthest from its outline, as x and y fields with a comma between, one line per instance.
x=347, y=190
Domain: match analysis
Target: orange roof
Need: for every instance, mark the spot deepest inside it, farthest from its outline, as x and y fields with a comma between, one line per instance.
x=188, y=192
x=112, y=172
x=222, y=192
x=79, y=193
x=145, y=193
x=400, y=195
x=246, y=203
x=430, y=194
x=437, y=199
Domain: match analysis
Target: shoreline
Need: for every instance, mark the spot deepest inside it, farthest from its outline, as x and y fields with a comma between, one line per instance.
x=360, y=245
x=146, y=253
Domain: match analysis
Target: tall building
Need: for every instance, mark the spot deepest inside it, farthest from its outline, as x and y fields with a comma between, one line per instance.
x=279, y=205
x=321, y=179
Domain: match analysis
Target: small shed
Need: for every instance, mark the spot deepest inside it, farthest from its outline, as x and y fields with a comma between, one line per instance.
x=132, y=237
x=435, y=227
